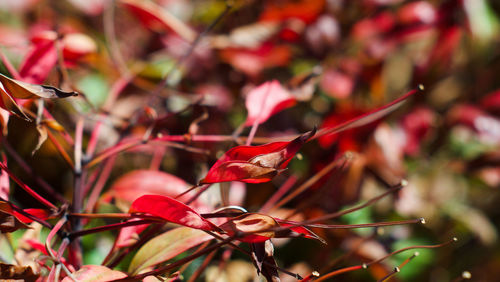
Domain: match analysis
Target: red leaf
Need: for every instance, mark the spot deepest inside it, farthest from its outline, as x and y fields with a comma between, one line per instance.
x=253, y=61
x=297, y=231
x=158, y=19
x=39, y=62
x=142, y=182
x=305, y=10
x=266, y=100
x=128, y=235
x=39, y=213
x=255, y=164
x=171, y=210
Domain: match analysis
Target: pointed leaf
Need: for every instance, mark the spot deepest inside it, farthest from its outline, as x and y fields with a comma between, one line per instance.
x=296, y=231
x=166, y=246
x=4, y=181
x=24, y=90
x=171, y=210
x=90, y=273
x=255, y=164
x=266, y=100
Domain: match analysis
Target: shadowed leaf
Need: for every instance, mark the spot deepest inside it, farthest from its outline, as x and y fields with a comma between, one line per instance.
x=166, y=246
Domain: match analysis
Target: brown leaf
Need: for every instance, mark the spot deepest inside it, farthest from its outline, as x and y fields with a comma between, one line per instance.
x=263, y=252
x=9, y=271
x=24, y=90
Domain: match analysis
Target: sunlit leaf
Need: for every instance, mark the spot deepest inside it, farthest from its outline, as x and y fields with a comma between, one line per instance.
x=90, y=273
x=255, y=164
x=172, y=211
x=266, y=100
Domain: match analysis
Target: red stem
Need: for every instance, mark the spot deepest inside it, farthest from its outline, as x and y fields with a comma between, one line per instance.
x=28, y=189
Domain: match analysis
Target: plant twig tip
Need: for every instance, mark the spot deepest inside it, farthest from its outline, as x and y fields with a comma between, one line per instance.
x=364, y=266
x=315, y=273
x=455, y=239
x=421, y=87
x=396, y=269
x=466, y=275
x=404, y=182
x=422, y=220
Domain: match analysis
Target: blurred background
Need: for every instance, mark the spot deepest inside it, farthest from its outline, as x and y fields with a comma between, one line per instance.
x=338, y=59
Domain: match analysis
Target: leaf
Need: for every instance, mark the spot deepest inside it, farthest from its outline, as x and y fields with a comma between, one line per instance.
x=259, y=225
x=41, y=59
x=253, y=61
x=296, y=231
x=11, y=272
x=166, y=246
x=263, y=227
x=39, y=213
x=266, y=100
x=171, y=210
x=255, y=164
x=24, y=90
x=90, y=273
x=158, y=19
x=142, y=182
x=129, y=235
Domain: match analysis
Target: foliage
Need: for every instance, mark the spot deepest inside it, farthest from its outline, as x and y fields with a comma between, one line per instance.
x=222, y=141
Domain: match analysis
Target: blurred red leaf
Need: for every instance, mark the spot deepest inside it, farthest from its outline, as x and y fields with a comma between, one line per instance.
x=266, y=100
x=129, y=235
x=253, y=61
x=171, y=210
x=305, y=10
x=137, y=183
x=337, y=84
x=417, y=12
x=417, y=125
x=39, y=62
x=158, y=19
x=255, y=164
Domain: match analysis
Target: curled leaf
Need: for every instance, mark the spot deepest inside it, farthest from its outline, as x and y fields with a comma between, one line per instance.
x=254, y=226
x=24, y=90
x=8, y=221
x=255, y=164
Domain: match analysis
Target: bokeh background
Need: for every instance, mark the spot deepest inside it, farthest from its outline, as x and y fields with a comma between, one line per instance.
x=339, y=59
